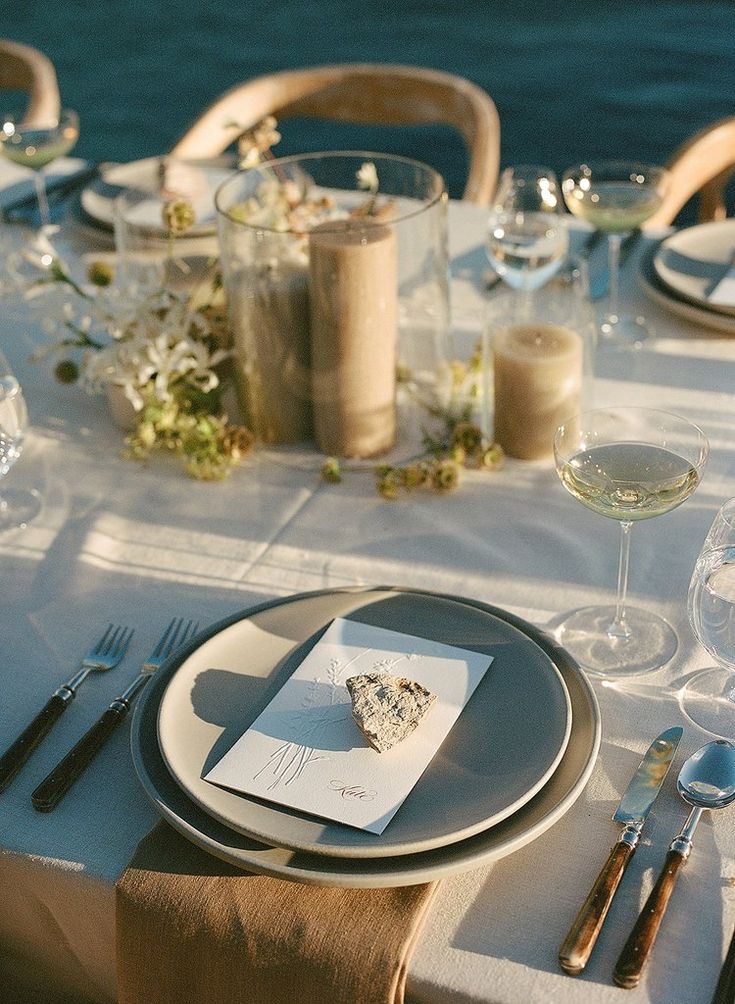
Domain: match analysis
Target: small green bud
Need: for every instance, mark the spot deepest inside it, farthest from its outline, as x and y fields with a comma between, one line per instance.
x=331, y=471
x=66, y=371
x=100, y=273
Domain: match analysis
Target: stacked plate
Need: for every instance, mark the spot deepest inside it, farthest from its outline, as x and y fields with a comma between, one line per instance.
x=200, y=179
x=515, y=761
x=681, y=272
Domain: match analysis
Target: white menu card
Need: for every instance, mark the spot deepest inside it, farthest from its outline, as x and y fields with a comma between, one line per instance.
x=305, y=750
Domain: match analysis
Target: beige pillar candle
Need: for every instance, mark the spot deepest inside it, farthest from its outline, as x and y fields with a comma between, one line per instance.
x=353, y=288
x=538, y=382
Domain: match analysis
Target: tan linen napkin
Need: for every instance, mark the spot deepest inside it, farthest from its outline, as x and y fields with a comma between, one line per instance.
x=195, y=929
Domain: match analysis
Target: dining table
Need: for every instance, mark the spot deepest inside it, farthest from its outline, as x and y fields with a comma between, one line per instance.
x=139, y=543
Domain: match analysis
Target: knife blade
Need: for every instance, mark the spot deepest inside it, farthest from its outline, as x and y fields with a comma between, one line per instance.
x=632, y=811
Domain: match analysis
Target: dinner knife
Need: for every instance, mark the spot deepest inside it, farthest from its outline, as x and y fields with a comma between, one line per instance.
x=632, y=812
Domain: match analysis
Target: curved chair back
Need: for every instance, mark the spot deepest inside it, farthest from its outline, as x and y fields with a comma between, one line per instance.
x=23, y=68
x=702, y=165
x=364, y=93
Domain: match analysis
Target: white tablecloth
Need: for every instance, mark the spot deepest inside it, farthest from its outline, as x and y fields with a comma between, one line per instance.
x=141, y=544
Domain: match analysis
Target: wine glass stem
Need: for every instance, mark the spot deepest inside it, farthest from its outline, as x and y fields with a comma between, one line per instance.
x=618, y=628
x=613, y=266
x=40, y=182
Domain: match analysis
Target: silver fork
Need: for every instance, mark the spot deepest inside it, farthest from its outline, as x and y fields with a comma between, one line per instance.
x=106, y=654
x=55, y=785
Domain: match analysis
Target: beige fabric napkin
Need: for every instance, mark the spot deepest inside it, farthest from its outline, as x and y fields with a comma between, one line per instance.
x=193, y=928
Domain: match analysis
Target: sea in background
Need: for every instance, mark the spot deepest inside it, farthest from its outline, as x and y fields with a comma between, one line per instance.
x=571, y=81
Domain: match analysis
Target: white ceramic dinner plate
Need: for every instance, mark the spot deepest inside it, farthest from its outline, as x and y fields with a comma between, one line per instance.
x=665, y=297
x=293, y=616
x=692, y=261
x=98, y=198
x=505, y=745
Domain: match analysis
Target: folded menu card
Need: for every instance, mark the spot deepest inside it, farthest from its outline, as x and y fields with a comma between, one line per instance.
x=305, y=750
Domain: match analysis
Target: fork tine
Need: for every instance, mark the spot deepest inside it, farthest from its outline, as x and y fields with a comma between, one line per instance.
x=125, y=641
x=174, y=641
x=167, y=638
x=99, y=647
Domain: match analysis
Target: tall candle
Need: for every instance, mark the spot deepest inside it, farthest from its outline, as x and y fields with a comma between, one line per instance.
x=538, y=381
x=353, y=289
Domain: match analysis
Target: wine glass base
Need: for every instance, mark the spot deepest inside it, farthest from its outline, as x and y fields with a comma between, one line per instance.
x=709, y=700
x=650, y=643
x=624, y=332
x=17, y=508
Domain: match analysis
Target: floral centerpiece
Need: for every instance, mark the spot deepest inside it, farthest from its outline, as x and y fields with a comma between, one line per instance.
x=162, y=349
x=165, y=351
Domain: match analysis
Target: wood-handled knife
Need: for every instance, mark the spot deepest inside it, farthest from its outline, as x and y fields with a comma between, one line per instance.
x=632, y=812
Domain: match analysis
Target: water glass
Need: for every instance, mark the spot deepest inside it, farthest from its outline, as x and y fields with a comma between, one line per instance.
x=527, y=238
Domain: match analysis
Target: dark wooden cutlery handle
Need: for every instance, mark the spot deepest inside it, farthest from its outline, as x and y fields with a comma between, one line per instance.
x=638, y=947
x=16, y=754
x=725, y=989
x=56, y=784
x=582, y=935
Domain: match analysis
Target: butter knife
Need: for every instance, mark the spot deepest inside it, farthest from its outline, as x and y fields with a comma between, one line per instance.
x=632, y=812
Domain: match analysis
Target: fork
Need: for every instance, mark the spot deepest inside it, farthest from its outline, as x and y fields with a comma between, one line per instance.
x=106, y=654
x=55, y=785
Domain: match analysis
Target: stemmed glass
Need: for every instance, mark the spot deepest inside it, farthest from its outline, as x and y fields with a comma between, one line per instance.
x=527, y=235
x=17, y=506
x=709, y=697
x=627, y=464
x=35, y=144
x=616, y=196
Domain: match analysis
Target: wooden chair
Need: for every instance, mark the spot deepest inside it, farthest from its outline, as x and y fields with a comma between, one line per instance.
x=23, y=68
x=702, y=165
x=364, y=93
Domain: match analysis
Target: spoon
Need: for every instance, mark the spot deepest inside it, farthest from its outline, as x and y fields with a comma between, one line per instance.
x=706, y=781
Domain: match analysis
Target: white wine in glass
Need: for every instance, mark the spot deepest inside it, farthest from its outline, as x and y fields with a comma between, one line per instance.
x=527, y=238
x=616, y=197
x=36, y=144
x=628, y=464
x=17, y=506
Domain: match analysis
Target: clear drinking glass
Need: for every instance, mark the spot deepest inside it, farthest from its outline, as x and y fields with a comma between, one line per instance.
x=527, y=238
x=35, y=144
x=616, y=196
x=314, y=354
x=628, y=464
x=17, y=506
x=709, y=696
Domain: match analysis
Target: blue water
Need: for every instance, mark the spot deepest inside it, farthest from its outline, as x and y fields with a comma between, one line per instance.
x=571, y=81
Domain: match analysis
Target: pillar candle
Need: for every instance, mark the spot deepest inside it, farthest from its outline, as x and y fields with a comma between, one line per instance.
x=538, y=381
x=353, y=290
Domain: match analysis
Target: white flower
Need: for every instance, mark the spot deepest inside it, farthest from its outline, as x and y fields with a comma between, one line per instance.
x=367, y=177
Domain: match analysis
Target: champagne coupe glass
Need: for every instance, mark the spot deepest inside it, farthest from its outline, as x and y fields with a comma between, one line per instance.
x=527, y=234
x=36, y=143
x=616, y=196
x=709, y=697
x=17, y=506
x=627, y=464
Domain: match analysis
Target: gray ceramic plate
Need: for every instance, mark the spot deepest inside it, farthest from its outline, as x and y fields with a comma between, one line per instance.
x=532, y=819
x=669, y=300
x=504, y=747
x=98, y=198
x=692, y=261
